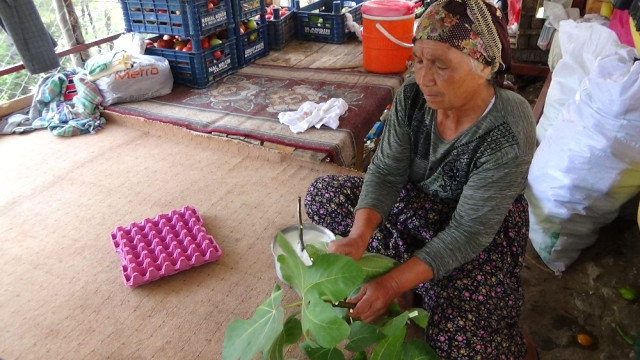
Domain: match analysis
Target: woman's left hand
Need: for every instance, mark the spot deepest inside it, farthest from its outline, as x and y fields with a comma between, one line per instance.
x=373, y=299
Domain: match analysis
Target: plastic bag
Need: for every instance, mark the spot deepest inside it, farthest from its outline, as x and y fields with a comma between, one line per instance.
x=149, y=76
x=546, y=35
x=588, y=164
x=513, y=12
x=581, y=45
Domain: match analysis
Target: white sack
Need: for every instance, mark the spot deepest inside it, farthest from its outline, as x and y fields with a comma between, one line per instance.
x=581, y=44
x=588, y=164
x=149, y=76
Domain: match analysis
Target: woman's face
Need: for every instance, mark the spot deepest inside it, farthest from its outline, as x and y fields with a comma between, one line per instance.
x=446, y=75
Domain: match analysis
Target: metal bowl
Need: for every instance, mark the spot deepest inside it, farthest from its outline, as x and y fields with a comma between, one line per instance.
x=311, y=233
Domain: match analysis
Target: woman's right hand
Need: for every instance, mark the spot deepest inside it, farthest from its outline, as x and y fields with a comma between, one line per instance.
x=364, y=224
x=350, y=246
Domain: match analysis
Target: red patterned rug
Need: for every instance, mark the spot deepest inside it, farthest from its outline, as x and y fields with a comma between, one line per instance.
x=247, y=104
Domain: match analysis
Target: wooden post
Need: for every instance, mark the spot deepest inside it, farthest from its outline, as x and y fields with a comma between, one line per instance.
x=67, y=31
x=75, y=27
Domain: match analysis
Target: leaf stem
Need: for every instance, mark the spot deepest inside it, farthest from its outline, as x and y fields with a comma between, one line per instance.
x=288, y=306
x=624, y=336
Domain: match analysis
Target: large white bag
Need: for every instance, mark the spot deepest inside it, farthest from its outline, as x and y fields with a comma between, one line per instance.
x=150, y=76
x=581, y=44
x=588, y=164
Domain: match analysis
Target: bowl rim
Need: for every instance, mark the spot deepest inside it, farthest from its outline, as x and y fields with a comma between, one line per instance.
x=331, y=236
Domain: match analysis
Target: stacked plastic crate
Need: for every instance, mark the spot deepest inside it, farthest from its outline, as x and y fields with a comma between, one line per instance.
x=197, y=37
x=251, y=30
x=327, y=20
x=281, y=26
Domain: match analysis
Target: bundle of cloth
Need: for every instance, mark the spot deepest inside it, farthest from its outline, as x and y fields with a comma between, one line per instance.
x=80, y=115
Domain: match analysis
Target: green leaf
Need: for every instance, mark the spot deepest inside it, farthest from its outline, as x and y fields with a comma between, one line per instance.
x=290, y=334
x=375, y=265
x=391, y=346
x=326, y=327
x=419, y=316
x=246, y=338
x=319, y=353
x=332, y=275
x=396, y=324
x=316, y=249
x=291, y=267
x=292, y=330
x=361, y=355
x=362, y=335
x=418, y=350
x=628, y=293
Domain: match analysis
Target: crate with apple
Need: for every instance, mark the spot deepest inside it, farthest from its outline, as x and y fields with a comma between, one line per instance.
x=186, y=18
x=247, y=9
x=253, y=42
x=325, y=20
x=280, y=21
x=197, y=68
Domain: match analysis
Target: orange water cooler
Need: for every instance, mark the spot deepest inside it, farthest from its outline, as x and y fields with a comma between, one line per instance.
x=387, y=33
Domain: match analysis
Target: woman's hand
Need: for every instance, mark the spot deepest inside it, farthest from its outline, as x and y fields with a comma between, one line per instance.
x=374, y=299
x=354, y=245
x=350, y=246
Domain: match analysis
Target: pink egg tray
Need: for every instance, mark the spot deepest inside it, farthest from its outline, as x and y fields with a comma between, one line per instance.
x=163, y=246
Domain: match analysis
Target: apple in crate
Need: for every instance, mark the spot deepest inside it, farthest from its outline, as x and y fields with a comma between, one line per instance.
x=149, y=43
x=252, y=24
x=180, y=43
x=164, y=44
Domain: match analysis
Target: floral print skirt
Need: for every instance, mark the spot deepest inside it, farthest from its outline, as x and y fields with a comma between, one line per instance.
x=474, y=310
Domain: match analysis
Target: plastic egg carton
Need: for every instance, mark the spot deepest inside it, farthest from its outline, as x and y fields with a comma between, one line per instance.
x=163, y=246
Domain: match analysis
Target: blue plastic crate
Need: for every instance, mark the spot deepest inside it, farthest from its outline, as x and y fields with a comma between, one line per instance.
x=281, y=31
x=200, y=69
x=253, y=45
x=186, y=18
x=318, y=21
x=247, y=9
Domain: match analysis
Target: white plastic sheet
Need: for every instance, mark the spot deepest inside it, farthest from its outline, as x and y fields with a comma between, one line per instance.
x=581, y=45
x=588, y=164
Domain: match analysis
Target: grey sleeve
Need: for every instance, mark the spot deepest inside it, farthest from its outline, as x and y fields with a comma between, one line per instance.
x=389, y=168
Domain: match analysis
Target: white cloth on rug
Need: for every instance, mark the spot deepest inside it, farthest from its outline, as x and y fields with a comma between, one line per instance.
x=311, y=114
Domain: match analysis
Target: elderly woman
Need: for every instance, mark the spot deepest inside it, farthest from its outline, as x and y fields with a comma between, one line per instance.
x=443, y=193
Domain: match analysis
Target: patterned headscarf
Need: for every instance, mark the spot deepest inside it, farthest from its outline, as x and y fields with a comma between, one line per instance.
x=474, y=27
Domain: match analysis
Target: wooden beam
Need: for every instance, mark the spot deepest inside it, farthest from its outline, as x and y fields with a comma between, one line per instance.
x=76, y=49
x=529, y=69
x=14, y=105
x=538, y=108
